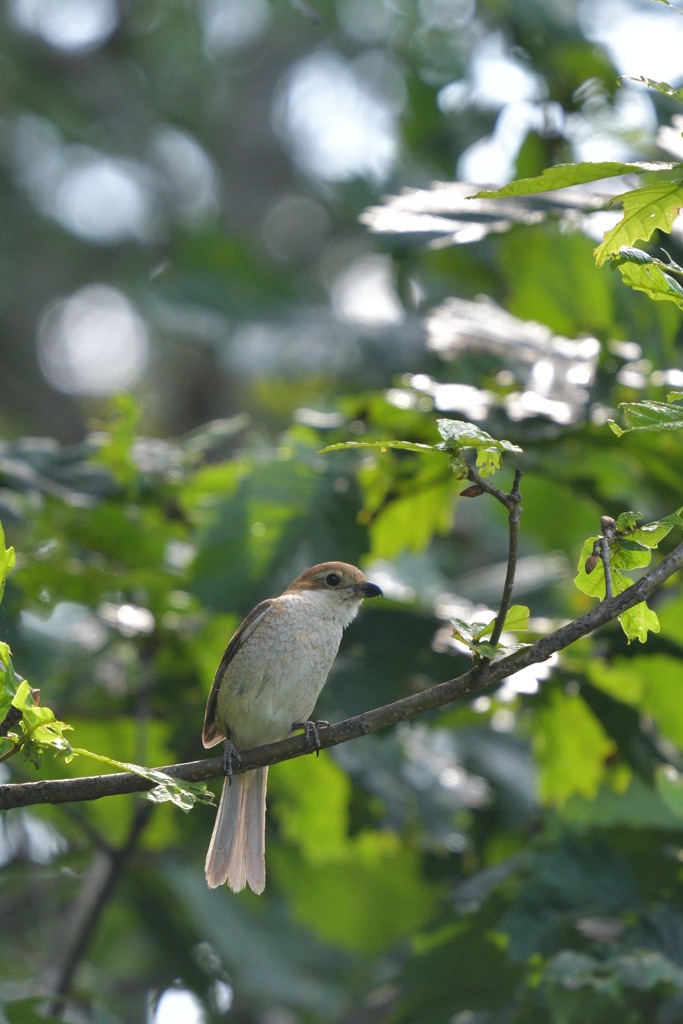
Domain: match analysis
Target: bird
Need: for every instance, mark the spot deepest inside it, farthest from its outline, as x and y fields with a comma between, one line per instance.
x=265, y=688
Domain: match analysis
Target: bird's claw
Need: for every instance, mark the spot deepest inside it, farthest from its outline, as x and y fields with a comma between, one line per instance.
x=231, y=758
x=311, y=732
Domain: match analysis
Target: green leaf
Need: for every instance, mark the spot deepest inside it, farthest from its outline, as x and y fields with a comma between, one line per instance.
x=649, y=274
x=663, y=87
x=7, y=561
x=653, y=416
x=651, y=534
x=411, y=520
x=649, y=683
x=318, y=827
x=571, y=748
x=655, y=206
x=38, y=729
x=116, y=450
x=408, y=446
x=630, y=549
x=167, y=788
x=517, y=618
x=459, y=435
x=564, y=175
x=389, y=898
x=628, y=520
x=638, y=621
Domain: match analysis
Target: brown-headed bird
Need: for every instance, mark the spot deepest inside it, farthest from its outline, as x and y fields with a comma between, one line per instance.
x=266, y=686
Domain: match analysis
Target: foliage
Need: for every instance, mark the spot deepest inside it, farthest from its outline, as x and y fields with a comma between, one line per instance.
x=629, y=548
x=511, y=858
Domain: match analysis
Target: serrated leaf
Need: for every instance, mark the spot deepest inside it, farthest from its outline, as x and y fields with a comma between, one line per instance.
x=630, y=552
x=655, y=206
x=459, y=435
x=564, y=175
x=653, y=416
x=37, y=729
x=628, y=520
x=638, y=621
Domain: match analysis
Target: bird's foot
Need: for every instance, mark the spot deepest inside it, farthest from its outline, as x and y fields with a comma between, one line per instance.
x=311, y=732
x=231, y=758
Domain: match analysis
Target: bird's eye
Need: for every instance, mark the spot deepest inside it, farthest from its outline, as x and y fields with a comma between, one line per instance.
x=332, y=579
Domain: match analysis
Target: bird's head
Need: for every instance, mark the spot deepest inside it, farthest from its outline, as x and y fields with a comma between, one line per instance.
x=336, y=586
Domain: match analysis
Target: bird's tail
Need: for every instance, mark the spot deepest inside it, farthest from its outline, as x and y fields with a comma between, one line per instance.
x=237, y=851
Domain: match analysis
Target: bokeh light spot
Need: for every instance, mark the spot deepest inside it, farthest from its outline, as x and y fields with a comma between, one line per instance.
x=67, y=24
x=93, y=342
x=336, y=124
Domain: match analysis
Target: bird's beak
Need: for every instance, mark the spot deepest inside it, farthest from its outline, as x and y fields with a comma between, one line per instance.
x=367, y=589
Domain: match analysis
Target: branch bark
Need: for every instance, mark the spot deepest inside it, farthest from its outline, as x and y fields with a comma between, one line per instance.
x=473, y=681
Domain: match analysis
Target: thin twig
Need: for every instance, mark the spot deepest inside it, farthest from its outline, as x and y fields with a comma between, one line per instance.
x=609, y=532
x=473, y=681
x=514, y=507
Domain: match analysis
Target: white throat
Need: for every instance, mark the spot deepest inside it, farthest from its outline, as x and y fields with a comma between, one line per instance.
x=338, y=606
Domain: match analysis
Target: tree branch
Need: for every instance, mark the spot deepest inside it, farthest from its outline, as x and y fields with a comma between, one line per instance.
x=476, y=679
x=101, y=879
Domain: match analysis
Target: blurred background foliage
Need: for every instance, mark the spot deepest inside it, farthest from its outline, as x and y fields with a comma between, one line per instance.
x=182, y=190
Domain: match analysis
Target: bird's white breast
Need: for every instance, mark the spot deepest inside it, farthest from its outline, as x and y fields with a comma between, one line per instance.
x=276, y=675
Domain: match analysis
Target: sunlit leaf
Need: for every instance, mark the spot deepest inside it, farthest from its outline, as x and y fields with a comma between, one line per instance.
x=459, y=436
x=37, y=729
x=7, y=561
x=649, y=275
x=411, y=520
x=564, y=175
x=652, y=416
x=167, y=788
x=629, y=549
x=408, y=446
x=652, y=533
x=638, y=621
x=628, y=520
x=517, y=618
x=663, y=87
x=655, y=206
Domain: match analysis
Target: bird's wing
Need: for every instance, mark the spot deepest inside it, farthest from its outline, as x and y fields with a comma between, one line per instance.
x=211, y=734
